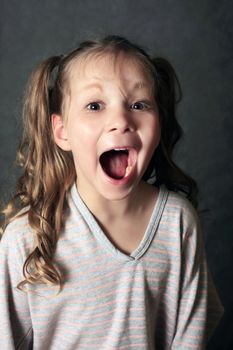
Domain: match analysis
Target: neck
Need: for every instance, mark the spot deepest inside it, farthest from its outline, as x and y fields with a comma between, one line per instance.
x=108, y=210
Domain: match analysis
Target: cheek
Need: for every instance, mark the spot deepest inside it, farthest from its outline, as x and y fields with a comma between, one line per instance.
x=152, y=133
x=79, y=134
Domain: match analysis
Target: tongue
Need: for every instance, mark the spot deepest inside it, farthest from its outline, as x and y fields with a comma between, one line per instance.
x=115, y=163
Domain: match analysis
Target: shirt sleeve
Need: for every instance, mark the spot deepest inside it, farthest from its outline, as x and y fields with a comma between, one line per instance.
x=15, y=323
x=199, y=306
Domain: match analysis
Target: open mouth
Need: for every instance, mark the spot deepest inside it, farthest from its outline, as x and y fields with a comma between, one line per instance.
x=118, y=163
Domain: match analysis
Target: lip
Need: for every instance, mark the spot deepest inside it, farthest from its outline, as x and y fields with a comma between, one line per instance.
x=132, y=161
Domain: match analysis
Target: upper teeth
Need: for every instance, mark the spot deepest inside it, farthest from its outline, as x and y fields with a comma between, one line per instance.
x=120, y=149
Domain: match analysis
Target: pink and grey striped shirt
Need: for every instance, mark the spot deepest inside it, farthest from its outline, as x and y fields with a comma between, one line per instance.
x=160, y=297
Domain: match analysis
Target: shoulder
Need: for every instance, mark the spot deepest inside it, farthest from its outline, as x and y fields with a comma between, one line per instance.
x=178, y=203
x=18, y=236
x=180, y=210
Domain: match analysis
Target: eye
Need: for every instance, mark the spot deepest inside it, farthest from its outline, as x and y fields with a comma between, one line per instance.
x=94, y=106
x=140, y=105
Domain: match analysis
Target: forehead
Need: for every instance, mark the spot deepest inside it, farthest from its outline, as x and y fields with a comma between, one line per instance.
x=109, y=67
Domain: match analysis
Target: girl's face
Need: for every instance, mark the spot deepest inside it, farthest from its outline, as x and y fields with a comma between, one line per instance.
x=111, y=125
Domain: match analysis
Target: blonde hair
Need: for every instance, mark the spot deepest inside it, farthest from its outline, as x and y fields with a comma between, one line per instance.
x=49, y=172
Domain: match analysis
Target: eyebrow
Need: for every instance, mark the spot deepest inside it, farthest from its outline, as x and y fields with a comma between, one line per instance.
x=137, y=86
x=140, y=85
x=93, y=85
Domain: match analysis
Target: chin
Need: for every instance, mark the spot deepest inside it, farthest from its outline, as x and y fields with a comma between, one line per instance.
x=117, y=193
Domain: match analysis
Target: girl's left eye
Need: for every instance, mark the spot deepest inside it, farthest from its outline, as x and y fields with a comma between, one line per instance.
x=140, y=105
x=94, y=106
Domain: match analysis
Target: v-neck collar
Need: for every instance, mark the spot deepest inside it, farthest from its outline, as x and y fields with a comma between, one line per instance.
x=103, y=239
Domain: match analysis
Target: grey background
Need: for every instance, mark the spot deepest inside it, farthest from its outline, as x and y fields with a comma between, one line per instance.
x=196, y=36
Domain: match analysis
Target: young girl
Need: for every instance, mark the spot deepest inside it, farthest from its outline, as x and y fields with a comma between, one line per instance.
x=101, y=248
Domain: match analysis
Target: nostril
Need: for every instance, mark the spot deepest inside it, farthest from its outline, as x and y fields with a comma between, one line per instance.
x=121, y=122
x=121, y=128
x=113, y=129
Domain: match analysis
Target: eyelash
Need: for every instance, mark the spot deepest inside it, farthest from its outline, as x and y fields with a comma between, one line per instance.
x=145, y=105
x=91, y=104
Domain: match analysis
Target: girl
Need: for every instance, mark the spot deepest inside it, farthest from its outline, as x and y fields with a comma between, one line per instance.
x=101, y=249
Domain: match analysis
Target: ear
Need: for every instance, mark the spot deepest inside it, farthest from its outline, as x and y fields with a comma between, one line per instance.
x=59, y=132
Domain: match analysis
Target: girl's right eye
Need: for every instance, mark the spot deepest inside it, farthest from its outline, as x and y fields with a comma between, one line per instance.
x=94, y=106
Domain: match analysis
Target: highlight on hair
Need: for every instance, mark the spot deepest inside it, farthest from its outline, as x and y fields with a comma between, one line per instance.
x=48, y=172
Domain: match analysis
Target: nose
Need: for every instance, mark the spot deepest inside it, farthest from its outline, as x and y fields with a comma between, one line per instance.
x=121, y=121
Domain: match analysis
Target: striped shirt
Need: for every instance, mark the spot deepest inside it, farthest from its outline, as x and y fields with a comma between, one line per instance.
x=159, y=297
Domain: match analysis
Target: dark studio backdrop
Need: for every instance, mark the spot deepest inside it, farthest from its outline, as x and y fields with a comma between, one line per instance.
x=196, y=36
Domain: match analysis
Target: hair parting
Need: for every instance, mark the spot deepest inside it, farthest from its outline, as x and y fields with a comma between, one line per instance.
x=48, y=172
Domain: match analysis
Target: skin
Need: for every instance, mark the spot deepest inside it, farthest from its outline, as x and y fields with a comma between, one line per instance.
x=111, y=105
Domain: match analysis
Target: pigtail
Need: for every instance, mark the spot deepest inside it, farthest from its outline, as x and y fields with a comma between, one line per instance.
x=168, y=95
x=48, y=173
